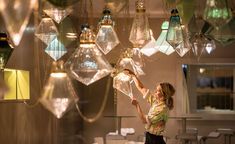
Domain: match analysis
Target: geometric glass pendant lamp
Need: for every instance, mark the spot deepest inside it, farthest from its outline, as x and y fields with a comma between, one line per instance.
x=16, y=14
x=140, y=31
x=87, y=64
x=56, y=13
x=46, y=30
x=106, y=37
x=122, y=82
x=174, y=34
x=58, y=93
x=56, y=49
x=162, y=45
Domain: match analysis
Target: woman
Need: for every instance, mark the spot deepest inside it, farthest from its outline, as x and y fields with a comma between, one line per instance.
x=161, y=103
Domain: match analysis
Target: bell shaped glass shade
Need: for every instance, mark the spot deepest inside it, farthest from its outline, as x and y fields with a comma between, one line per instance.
x=217, y=13
x=88, y=64
x=174, y=34
x=199, y=42
x=225, y=35
x=122, y=82
x=151, y=47
x=57, y=95
x=210, y=46
x=140, y=31
x=46, y=30
x=5, y=50
x=56, y=13
x=162, y=45
x=56, y=49
x=16, y=14
x=106, y=37
x=185, y=46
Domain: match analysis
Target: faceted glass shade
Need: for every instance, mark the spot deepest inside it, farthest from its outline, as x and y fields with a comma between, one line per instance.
x=217, y=13
x=56, y=49
x=174, y=34
x=5, y=50
x=107, y=38
x=151, y=47
x=122, y=82
x=140, y=31
x=128, y=63
x=46, y=30
x=16, y=14
x=63, y=3
x=225, y=35
x=88, y=64
x=210, y=46
x=56, y=13
x=137, y=57
x=198, y=45
x=57, y=95
x=162, y=45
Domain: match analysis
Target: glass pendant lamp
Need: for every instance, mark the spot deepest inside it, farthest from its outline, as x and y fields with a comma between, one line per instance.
x=122, y=82
x=140, y=31
x=106, y=37
x=5, y=50
x=58, y=93
x=151, y=47
x=174, y=34
x=56, y=49
x=217, y=13
x=87, y=64
x=46, y=30
x=162, y=45
x=199, y=42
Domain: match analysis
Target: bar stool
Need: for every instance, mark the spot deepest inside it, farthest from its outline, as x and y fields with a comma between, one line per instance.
x=227, y=133
x=211, y=135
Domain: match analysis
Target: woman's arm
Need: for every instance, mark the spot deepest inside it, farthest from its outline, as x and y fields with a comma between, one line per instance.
x=139, y=110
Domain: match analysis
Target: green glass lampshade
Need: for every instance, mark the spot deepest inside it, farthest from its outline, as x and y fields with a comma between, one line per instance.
x=174, y=34
x=63, y=3
x=5, y=50
x=217, y=13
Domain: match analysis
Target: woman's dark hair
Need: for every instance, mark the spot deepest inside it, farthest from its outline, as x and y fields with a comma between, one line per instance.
x=168, y=91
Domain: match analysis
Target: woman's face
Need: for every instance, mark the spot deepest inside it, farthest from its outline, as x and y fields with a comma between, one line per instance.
x=158, y=92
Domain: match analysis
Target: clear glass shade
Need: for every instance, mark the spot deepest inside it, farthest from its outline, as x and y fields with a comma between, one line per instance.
x=217, y=13
x=174, y=34
x=88, y=64
x=58, y=94
x=106, y=38
x=122, y=82
x=162, y=45
x=46, y=30
x=56, y=49
x=199, y=42
x=16, y=14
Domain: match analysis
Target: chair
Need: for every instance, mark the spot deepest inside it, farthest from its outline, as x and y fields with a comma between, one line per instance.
x=227, y=133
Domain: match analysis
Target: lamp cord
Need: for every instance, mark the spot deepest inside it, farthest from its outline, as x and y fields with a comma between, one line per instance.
x=98, y=115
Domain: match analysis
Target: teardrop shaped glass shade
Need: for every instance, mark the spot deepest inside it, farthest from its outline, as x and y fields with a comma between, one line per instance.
x=56, y=13
x=46, y=30
x=106, y=38
x=16, y=14
x=174, y=34
x=122, y=82
x=185, y=46
x=88, y=64
x=140, y=30
x=57, y=95
x=217, y=13
x=56, y=49
x=151, y=47
x=225, y=35
x=162, y=45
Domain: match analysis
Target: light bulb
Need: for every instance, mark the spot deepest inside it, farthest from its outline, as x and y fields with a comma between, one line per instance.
x=58, y=93
x=174, y=34
x=122, y=82
x=87, y=64
x=217, y=13
x=162, y=45
x=140, y=31
x=106, y=37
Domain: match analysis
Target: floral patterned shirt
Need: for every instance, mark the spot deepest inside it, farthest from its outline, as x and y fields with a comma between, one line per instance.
x=157, y=115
